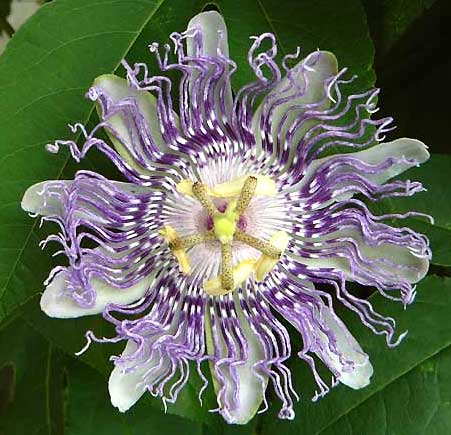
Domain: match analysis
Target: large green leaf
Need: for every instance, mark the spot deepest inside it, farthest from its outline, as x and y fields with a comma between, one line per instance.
x=417, y=403
x=308, y=24
x=427, y=321
x=31, y=373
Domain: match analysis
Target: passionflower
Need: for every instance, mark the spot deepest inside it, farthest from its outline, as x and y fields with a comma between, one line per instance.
x=240, y=215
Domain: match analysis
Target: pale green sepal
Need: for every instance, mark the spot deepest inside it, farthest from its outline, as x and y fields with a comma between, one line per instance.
x=251, y=389
x=56, y=302
x=285, y=114
x=118, y=89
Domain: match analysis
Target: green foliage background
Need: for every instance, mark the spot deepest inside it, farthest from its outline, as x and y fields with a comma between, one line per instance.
x=44, y=72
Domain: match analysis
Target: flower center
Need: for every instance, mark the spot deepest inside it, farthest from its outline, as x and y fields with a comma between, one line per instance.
x=226, y=223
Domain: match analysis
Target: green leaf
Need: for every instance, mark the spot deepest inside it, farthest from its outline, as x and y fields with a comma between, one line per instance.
x=89, y=411
x=427, y=320
x=417, y=403
x=392, y=18
x=31, y=372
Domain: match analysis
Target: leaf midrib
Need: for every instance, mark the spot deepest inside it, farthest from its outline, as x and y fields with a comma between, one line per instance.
x=271, y=24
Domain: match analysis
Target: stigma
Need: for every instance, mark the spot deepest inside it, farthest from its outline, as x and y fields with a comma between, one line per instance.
x=226, y=226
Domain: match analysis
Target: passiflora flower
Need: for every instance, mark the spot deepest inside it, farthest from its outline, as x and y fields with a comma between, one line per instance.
x=241, y=213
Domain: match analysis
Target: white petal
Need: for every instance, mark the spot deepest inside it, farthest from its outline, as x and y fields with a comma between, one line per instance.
x=350, y=350
x=126, y=388
x=55, y=301
x=214, y=37
x=35, y=201
x=326, y=66
x=412, y=151
x=409, y=149
x=214, y=32
x=118, y=89
x=399, y=255
x=251, y=388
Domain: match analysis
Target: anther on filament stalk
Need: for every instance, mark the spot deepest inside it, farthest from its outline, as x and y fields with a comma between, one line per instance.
x=227, y=267
x=200, y=192
x=246, y=194
x=187, y=242
x=179, y=245
x=260, y=245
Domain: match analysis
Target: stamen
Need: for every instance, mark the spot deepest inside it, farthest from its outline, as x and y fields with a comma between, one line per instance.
x=179, y=245
x=168, y=233
x=186, y=188
x=264, y=247
x=227, y=267
x=171, y=237
x=183, y=261
x=241, y=272
x=265, y=263
x=246, y=194
x=225, y=231
x=188, y=242
x=200, y=192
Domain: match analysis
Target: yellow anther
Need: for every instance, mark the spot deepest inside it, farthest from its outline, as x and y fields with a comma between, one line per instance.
x=266, y=263
x=241, y=272
x=183, y=261
x=268, y=249
x=172, y=239
x=168, y=233
x=265, y=186
x=200, y=192
x=186, y=188
x=246, y=194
